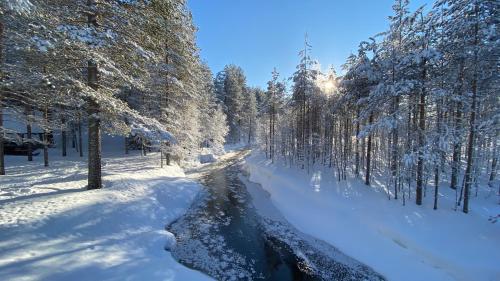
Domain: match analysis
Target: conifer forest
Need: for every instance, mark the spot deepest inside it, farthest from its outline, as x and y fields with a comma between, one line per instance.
x=154, y=140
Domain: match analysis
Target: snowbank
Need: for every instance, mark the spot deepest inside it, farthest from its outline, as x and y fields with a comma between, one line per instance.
x=232, y=147
x=207, y=158
x=52, y=229
x=402, y=243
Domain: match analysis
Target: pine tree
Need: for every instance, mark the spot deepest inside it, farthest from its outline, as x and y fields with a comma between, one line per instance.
x=212, y=118
x=249, y=114
x=274, y=101
x=304, y=87
x=234, y=94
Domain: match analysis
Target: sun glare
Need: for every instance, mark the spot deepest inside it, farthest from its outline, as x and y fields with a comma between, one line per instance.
x=327, y=86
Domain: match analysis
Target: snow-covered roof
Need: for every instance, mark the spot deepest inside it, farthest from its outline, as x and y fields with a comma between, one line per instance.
x=153, y=135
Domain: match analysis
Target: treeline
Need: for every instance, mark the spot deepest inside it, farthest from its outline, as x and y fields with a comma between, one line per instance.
x=126, y=67
x=239, y=102
x=418, y=105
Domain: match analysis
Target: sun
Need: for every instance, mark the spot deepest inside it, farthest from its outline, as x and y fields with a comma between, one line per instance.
x=327, y=86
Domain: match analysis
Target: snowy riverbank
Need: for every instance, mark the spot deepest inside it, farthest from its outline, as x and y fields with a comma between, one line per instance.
x=401, y=243
x=53, y=229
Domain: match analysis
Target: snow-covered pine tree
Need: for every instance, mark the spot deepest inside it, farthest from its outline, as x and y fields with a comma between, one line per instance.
x=304, y=87
x=395, y=81
x=249, y=115
x=213, y=127
x=234, y=94
x=274, y=103
x=54, y=39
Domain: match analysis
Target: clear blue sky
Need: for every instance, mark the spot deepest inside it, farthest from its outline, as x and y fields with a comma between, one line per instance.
x=261, y=34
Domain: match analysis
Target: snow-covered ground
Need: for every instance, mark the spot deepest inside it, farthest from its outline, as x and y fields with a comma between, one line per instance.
x=53, y=229
x=400, y=242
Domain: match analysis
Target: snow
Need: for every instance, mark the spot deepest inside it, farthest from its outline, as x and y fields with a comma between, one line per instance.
x=207, y=158
x=53, y=229
x=171, y=242
x=87, y=35
x=19, y=6
x=42, y=45
x=152, y=132
x=233, y=147
x=400, y=242
x=323, y=259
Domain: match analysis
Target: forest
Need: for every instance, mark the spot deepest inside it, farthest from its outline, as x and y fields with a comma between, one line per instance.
x=414, y=112
x=413, y=104
x=417, y=103
x=122, y=67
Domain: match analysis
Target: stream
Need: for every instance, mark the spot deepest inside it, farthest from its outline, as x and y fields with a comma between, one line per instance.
x=233, y=232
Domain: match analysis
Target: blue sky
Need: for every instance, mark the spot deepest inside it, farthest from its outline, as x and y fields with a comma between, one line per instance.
x=261, y=34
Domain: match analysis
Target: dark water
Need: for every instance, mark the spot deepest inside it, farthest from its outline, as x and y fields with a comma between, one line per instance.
x=224, y=237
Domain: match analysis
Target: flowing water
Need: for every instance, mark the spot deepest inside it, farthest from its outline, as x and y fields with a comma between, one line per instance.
x=224, y=236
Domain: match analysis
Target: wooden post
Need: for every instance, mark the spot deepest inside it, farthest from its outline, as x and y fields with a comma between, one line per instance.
x=161, y=157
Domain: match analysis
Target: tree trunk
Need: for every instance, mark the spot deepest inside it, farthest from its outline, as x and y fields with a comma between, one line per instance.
x=73, y=135
x=271, y=134
x=457, y=146
x=29, y=133
x=2, y=157
x=94, y=157
x=470, y=150
x=250, y=131
x=80, y=139
x=63, y=137
x=440, y=159
x=436, y=186
x=394, y=148
x=494, y=162
x=472, y=130
x=421, y=139
x=46, y=138
x=368, y=152
x=356, y=167
x=94, y=137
